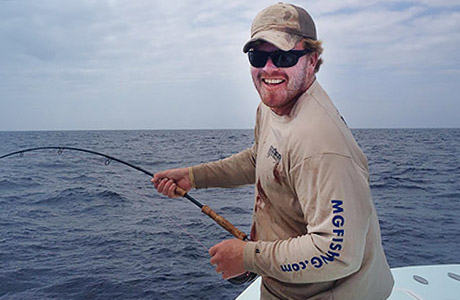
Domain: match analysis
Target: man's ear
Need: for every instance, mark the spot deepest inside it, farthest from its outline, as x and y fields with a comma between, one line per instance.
x=312, y=61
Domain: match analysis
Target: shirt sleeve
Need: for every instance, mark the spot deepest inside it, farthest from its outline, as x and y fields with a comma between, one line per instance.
x=335, y=199
x=233, y=171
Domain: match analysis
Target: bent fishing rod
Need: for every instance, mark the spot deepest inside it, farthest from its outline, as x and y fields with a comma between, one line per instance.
x=224, y=223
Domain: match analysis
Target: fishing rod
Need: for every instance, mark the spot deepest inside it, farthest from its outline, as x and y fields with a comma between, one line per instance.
x=224, y=223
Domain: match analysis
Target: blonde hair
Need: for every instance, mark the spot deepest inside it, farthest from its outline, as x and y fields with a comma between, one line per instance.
x=314, y=46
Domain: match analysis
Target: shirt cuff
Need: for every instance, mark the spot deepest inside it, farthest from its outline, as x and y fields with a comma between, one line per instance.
x=199, y=175
x=248, y=256
x=191, y=177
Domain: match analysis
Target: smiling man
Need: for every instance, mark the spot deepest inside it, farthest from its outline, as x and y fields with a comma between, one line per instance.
x=315, y=232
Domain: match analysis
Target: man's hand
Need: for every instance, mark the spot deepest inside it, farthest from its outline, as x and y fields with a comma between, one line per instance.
x=167, y=181
x=228, y=257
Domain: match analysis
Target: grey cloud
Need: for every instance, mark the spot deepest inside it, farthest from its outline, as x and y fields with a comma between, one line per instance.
x=149, y=59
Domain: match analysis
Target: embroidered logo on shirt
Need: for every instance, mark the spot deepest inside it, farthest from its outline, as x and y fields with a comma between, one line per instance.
x=274, y=154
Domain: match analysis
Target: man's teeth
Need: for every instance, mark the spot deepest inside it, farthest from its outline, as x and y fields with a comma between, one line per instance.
x=273, y=81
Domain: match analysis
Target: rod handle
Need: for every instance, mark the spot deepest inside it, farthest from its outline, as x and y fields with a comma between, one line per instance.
x=180, y=191
x=224, y=223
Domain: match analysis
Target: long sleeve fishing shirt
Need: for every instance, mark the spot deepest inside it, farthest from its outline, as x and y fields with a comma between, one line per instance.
x=315, y=232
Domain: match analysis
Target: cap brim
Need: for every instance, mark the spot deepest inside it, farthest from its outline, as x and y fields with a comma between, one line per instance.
x=282, y=40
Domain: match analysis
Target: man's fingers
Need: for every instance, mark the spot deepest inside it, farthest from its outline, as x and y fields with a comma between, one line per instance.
x=167, y=186
x=170, y=189
x=218, y=269
x=161, y=185
x=213, y=250
x=155, y=180
x=227, y=256
x=166, y=182
x=214, y=260
x=158, y=176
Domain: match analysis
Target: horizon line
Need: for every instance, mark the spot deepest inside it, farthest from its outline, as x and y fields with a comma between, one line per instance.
x=201, y=129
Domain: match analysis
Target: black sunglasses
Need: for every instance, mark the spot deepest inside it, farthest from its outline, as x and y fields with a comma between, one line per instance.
x=280, y=58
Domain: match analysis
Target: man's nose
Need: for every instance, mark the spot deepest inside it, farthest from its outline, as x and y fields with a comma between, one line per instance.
x=269, y=65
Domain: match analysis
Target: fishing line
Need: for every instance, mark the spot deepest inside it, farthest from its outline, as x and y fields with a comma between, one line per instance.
x=107, y=162
x=173, y=221
x=246, y=277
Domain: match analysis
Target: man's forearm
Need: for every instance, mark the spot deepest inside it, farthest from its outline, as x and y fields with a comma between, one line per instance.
x=233, y=171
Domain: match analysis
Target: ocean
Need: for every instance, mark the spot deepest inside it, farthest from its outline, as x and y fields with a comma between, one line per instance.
x=76, y=226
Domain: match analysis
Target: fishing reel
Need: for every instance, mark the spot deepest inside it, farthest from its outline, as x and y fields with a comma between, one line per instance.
x=243, y=278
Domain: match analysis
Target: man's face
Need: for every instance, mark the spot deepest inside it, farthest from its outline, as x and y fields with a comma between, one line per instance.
x=279, y=88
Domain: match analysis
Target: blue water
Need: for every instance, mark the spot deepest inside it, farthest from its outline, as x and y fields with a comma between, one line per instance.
x=72, y=227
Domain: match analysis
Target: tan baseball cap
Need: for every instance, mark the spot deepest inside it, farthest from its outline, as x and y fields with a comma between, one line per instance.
x=282, y=25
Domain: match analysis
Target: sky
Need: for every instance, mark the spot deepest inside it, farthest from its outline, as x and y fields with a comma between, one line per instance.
x=157, y=64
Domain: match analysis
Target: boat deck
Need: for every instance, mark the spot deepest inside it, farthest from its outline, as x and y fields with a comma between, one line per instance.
x=435, y=282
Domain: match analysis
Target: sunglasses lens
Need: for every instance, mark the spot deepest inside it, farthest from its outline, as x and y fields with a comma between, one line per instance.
x=284, y=59
x=258, y=59
x=281, y=59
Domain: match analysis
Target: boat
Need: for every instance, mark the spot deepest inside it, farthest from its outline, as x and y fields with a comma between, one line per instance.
x=431, y=282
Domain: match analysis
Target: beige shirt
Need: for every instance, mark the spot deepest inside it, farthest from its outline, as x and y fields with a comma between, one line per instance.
x=315, y=232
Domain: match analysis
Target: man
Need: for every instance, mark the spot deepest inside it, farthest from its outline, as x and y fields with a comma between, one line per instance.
x=315, y=232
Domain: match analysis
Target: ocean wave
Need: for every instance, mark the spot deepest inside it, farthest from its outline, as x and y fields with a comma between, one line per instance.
x=407, y=179
x=378, y=186
x=400, y=182
x=18, y=183
x=76, y=195
x=398, y=185
x=233, y=210
x=455, y=168
x=111, y=195
x=453, y=195
x=102, y=240
x=73, y=286
x=192, y=252
x=69, y=194
x=52, y=164
x=414, y=171
x=20, y=280
x=6, y=184
x=80, y=178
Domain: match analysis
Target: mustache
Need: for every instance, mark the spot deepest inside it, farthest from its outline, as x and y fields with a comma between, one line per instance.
x=274, y=73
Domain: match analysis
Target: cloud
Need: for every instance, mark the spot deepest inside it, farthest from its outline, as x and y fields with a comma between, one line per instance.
x=75, y=57
x=404, y=40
